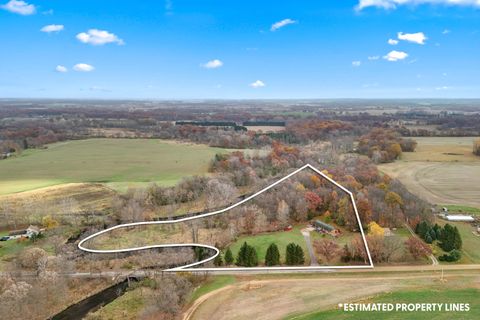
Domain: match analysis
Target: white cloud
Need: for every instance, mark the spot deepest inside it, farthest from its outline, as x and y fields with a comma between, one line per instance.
x=99, y=89
x=393, y=4
x=99, y=37
x=212, y=64
x=257, y=84
x=83, y=67
x=281, y=24
x=395, y=55
x=20, y=7
x=356, y=63
x=393, y=42
x=418, y=37
x=52, y=28
x=372, y=58
x=61, y=69
x=446, y=31
x=443, y=88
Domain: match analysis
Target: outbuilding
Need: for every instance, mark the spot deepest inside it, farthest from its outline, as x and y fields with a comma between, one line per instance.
x=458, y=218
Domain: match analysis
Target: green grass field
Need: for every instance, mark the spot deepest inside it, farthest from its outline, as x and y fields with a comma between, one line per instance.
x=428, y=296
x=119, y=162
x=461, y=209
x=282, y=238
x=11, y=247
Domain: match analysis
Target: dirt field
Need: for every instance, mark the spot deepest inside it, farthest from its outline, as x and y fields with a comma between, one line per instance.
x=265, y=128
x=280, y=298
x=84, y=195
x=442, y=171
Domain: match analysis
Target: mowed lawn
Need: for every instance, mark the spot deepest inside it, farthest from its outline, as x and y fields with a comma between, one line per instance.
x=120, y=162
x=281, y=238
x=445, y=296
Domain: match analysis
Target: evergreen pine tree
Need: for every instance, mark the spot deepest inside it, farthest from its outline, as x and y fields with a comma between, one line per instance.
x=299, y=255
x=290, y=254
x=272, y=257
x=433, y=234
x=428, y=238
x=242, y=255
x=247, y=256
x=456, y=239
x=228, y=257
x=422, y=229
x=448, y=238
x=252, y=257
x=218, y=261
x=200, y=253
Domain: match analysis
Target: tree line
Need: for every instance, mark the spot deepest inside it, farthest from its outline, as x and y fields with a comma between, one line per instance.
x=448, y=238
x=247, y=256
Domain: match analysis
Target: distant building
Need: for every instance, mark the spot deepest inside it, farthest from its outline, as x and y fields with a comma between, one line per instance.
x=457, y=218
x=25, y=233
x=387, y=232
x=5, y=155
x=322, y=226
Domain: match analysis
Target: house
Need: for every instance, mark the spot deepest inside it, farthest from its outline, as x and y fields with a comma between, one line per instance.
x=24, y=233
x=387, y=232
x=322, y=226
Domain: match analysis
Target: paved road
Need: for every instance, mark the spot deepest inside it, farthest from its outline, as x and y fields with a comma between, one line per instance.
x=313, y=259
x=146, y=273
x=432, y=257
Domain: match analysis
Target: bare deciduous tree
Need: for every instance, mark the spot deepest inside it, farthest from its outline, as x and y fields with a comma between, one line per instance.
x=327, y=248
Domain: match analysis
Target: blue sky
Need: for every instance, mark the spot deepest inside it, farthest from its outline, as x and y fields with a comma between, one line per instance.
x=187, y=49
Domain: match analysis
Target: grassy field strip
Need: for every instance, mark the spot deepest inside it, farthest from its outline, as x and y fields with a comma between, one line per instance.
x=414, y=296
x=120, y=162
x=462, y=209
x=283, y=295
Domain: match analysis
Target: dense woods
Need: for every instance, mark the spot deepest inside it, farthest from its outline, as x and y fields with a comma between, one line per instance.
x=383, y=145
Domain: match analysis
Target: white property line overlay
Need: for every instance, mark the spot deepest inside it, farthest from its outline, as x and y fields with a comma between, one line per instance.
x=188, y=267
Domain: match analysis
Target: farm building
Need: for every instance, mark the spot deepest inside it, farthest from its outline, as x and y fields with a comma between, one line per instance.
x=457, y=218
x=322, y=226
x=25, y=233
